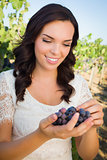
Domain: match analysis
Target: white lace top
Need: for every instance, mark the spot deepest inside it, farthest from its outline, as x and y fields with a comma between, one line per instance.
x=26, y=115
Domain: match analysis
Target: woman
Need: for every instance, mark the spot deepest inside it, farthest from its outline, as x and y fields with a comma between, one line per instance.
x=42, y=82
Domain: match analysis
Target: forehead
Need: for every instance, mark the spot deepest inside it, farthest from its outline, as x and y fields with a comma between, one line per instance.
x=62, y=29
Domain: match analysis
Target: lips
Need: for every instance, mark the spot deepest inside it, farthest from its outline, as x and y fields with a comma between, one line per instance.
x=52, y=60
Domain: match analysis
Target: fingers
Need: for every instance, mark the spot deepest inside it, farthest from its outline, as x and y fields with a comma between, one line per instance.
x=83, y=127
x=95, y=108
x=47, y=121
x=87, y=104
x=69, y=130
x=65, y=131
x=98, y=115
x=97, y=118
x=71, y=124
x=98, y=122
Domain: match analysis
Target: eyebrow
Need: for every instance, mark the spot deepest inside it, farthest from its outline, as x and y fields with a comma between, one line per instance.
x=53, y=38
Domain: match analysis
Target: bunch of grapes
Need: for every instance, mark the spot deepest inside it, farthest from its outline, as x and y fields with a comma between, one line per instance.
x=66, y=115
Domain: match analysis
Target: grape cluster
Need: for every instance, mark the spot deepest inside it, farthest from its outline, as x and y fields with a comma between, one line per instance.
x=65, y=115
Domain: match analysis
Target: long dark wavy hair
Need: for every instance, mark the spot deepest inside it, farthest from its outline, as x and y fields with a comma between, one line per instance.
x=25, y=60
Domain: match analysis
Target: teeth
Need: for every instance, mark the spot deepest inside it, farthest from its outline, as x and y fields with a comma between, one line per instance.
x=51, y=59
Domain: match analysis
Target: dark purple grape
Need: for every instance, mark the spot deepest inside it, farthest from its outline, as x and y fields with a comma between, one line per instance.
x=59, y=121
x=64, y=121
x=72, y=109
x=85, y=118
x=62, y=110
x=69, y=117
x=87, y=114
x=59, y=114
x=82, y=112
x=67, y=113
x=81, y=119
x=63, y=116
x=71, y=113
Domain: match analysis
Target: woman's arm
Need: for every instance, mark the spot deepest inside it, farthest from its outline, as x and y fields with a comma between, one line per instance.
x=20, y=148
x=88, y=143
x=15, y=150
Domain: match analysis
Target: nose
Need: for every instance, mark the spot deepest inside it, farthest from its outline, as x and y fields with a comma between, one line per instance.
x=55, y=49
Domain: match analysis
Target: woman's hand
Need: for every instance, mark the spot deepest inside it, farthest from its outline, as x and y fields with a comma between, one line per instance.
x=96, y=111
x=64, y=131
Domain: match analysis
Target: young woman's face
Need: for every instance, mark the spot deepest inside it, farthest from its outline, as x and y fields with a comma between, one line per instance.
x=53, y=44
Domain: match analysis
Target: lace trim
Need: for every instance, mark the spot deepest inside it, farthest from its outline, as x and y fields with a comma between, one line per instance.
x=6, y=103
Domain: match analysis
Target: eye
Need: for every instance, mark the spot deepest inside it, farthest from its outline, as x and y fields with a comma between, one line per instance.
x=67, y=45
x=47, y=41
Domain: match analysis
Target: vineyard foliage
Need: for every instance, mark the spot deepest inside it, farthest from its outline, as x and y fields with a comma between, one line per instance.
x=87, y=52
x=11, y=33
x=90, y=53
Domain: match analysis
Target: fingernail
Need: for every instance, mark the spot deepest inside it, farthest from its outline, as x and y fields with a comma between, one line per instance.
x=77, y=114
x=53, y=116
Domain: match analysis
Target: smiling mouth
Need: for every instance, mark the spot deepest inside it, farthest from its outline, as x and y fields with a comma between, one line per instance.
x=52, y=60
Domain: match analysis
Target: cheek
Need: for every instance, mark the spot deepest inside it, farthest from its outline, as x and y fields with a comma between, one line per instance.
x=40, y=49
x=65, y=52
